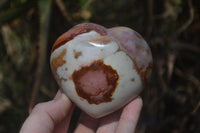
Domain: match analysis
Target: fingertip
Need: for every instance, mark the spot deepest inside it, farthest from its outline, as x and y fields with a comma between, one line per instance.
x=134, y=106
x=138, y=101
x=59, y=108
x=130, y=116
x=58, y=94
x=86, y=124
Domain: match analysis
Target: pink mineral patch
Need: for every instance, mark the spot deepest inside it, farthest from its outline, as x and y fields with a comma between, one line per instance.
x=95, y=83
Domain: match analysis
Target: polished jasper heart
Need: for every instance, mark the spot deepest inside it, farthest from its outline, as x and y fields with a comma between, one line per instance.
x=101, y=69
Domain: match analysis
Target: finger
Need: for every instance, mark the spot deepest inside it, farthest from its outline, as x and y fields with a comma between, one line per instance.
x=58, y=94
x=86, y=124
x=129, y=116
x=46, y=115
x=63, y=126
x=109, y=123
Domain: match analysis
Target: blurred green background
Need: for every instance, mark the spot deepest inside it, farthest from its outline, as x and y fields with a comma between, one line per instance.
x=28, y=29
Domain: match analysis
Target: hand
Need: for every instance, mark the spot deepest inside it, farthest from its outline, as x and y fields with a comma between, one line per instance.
x=54, y=117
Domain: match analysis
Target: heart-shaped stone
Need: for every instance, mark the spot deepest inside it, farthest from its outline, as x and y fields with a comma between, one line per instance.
x=101, y=69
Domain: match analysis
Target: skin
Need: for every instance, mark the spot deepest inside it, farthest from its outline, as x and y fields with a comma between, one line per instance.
x=54, y=117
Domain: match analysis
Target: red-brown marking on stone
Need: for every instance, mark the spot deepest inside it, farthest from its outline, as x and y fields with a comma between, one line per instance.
x=77, y=30
x=96, y=95
x=77, y=54
x=58, y=60
x=63, y=79
x=143, y=73
x=102, y=40
x=70, y=77
x=143, y=48
x=60, y=79
x=132, y=79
